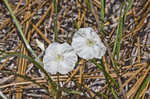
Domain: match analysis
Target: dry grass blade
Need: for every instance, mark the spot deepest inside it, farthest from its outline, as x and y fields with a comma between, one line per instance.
x=39, y=22
x=41, y=34
x=22, y=65
x=75, y=71
x=138, y=83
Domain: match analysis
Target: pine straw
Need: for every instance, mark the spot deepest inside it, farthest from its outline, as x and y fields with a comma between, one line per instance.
x=37, y=19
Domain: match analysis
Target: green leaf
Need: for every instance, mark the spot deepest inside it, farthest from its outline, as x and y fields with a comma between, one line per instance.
x=101, y=95
x=102, y=15
x=127, y=9
x=55, y=29
x=114, y=93
x=39, y=66
x=26, y=78
x=120, y=27
x=88, y=4
x=106, y=74
x=20, y=30
x=55, y=20
x=55, y=6
x=117, y=43
x=76, y=25
x=142, y=87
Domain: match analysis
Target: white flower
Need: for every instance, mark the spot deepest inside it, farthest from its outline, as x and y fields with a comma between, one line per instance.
x=87, y=44
x=59, y=58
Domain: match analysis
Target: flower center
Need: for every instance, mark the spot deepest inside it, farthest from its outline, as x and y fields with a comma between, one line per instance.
x=90, y=42
x=59, y=57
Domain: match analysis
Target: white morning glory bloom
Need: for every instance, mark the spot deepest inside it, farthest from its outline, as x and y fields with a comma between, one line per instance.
x=87, y=44
x=59, y=58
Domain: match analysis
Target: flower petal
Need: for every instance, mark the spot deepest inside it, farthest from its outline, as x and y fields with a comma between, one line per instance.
x=65, y=68
x=64, y=65
x=87, y=44
x=51, y=67
x=51, y=48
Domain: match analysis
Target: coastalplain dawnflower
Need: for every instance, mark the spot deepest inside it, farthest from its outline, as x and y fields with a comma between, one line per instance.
x=59, y=58
x=87, y=44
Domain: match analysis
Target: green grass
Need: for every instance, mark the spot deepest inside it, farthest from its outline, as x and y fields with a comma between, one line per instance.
x=39, y=66
x=55, y=20
x=142, y=87
x=108, y=78
x=120, y=28
x=102, y=14
x=19, y=28
x=37, y=63
x=117, y=43
x=113, y=85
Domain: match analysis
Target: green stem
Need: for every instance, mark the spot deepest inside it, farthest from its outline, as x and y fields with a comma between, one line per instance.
x=102, y=15
x=55, y=20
